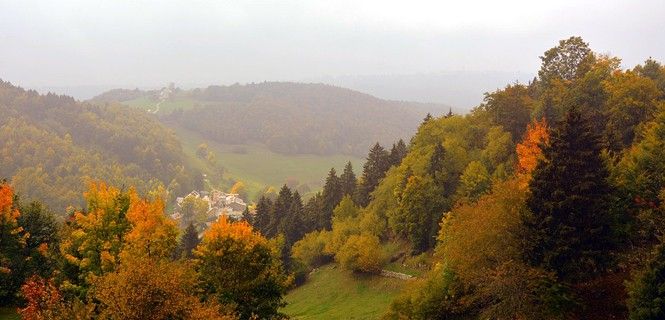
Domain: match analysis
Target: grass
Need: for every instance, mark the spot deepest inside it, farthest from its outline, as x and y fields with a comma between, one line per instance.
x=332, y=293
x=148, y=103
x=258, y=167
x=8, y=313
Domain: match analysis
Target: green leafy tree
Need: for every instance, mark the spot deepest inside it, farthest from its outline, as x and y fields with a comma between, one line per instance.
x=474, y=182
x=567, y=61
x=193, y=210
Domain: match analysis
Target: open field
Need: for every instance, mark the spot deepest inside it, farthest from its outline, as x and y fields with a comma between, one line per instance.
x=332, y=293
x=258, y=167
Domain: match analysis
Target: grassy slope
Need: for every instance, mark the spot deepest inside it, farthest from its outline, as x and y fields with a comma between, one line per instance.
x=337, y=294
x=259, y=167
x=8, y=313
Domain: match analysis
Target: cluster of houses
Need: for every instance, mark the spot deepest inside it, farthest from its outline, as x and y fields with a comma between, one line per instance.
x=219, y=203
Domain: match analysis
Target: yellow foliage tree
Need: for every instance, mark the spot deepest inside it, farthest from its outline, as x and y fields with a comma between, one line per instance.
x=146, y=288
x=239, y=267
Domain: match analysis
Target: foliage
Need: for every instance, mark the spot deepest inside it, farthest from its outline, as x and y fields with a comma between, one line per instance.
x=145, y=288
x=529, y=151
x=361, y=253
x=51, y=145
x=193, y=210
x=567, y=61
x=646, y=297
x=12, y=243
x=310, y=249
x=238, y=267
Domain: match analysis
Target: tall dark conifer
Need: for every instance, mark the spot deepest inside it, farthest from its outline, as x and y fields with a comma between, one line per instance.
x=189, y=241
x=332, y=195
x=348, y=180
x=569, y=230
x=398, y=152
x=291, y=226
x=374, y=169
x=436, y=160
x=263, y=215
x=312, y=211
x=280, y=210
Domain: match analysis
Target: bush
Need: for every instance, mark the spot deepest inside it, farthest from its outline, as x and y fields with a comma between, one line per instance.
x=361, y=253
x=310, y=249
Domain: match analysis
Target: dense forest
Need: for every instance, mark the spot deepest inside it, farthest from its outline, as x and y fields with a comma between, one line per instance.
x=289, y=118
x=544, y=202
x=52, y=145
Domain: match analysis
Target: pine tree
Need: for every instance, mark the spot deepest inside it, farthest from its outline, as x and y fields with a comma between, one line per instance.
x=348, y=180
x=189, y=241
x=374, y=169
x=450, y=113
x=332, y=195
x=568, y=231
x=398, y=152
x=312, y=211
x=263, y=215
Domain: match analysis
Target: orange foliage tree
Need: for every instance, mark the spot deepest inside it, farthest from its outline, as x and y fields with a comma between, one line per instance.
x=529, y=150
x=12, y=243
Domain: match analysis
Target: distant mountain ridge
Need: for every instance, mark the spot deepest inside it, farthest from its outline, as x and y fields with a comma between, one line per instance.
x=287, y=117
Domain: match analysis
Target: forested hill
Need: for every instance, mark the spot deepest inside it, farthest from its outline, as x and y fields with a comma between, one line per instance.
x=51, y=145
x=290, y=118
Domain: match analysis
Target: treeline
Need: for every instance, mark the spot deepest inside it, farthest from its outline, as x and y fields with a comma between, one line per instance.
x=51, y=145
x=292, y=118
x=545, y=202
x=124, y=258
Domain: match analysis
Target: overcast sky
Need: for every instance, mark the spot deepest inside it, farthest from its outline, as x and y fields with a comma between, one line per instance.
x=149, y=43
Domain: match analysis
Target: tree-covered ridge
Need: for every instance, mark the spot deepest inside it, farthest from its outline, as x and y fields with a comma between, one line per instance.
x=289, y=118
x=51, y=145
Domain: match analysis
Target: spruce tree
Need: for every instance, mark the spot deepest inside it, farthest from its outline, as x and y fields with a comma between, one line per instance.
x=263, y=215
x=332, y=195
x=374, y=169
x=348, y=180
x=569, y=229
x=436, y=160
x=398, y=152
x=291, y=226
x=189, y=241
x=312, y=211
x=279, y=210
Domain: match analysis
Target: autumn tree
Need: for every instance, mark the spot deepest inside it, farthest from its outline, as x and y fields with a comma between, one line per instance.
x=646, y=297
x=152, y=233
x=12, y=245
x=361, y=253
x=240, y=189
x=569, y=228
x=95, y=238
x=147, y=288
x=238, y=267
x=474, y=182
x=529, y=151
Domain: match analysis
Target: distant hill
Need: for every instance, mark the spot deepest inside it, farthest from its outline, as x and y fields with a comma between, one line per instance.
x=51, y=145
x=289, y=118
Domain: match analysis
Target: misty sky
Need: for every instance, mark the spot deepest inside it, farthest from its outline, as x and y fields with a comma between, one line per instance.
x=149, y=43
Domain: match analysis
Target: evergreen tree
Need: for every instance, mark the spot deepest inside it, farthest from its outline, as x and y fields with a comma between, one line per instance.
x=435, y=165
x=291, y=226
x=263, y=215
x=374, y=169
x=569, y=230
x=450, y=113
x=427, y=118
x=312, y=211
x=348, y=180
x=189, y=241
x=279, y=211
x=398, y=152
x=332, y=195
